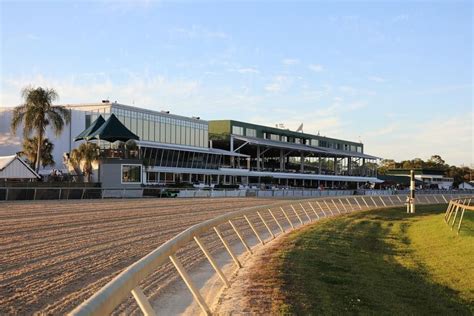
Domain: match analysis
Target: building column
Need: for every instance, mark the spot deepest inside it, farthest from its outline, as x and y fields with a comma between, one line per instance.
x=232, y=160
x=320, y=164
x=282, y=160
x=335, y=166
x=258, y=157
x=301, y=162
x=349, y=167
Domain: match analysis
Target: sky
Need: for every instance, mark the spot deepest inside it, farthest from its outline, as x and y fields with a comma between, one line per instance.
x=396, y=75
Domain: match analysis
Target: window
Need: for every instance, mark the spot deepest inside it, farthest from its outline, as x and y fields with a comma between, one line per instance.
x=297, y=140
x=274, y=137
x=359, y=149
x=251, y=132
x=314, y=142
x=237, y=130
x=131, y=173
x=353, y=148
x=284, y=139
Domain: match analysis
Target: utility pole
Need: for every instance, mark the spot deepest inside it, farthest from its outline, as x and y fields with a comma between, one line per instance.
x=412, y=191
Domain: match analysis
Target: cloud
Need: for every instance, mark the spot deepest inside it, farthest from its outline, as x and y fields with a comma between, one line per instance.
x=278, y=84
x=316, y=67
x=199, y=32
x=451, y=138
x=141, y=88
x=377, y=79
x=290, y=61
x=246, y=70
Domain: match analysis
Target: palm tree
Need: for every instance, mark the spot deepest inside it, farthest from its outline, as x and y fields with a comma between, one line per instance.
x=30, y=147
x=84, y=156
x=38, y=112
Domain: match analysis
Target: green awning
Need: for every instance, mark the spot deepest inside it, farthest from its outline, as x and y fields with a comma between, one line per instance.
x=91, y=129
x=113, y=130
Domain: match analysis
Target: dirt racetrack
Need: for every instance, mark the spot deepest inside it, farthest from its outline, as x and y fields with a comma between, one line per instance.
x=55, y=254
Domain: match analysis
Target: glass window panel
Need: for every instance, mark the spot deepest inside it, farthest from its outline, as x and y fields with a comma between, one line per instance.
x=168, y=132
x=132, y=173
x=163, y=132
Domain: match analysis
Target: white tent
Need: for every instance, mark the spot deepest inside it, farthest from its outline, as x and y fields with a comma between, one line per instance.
x=14, y=168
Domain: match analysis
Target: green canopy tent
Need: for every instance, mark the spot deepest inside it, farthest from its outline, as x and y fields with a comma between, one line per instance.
x=112, y=130
x=91, y=129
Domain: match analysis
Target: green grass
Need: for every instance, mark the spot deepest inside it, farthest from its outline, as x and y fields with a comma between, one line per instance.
x=380, y=262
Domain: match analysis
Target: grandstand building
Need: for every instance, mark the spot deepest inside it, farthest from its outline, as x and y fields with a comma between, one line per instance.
x=176, y=149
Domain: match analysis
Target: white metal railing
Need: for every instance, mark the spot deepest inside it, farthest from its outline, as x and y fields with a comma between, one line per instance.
x=118, y=289
x=455, y=205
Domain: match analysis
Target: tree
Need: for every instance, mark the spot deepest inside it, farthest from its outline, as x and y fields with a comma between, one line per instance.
x=83, y=157
x=29, y=151
x=38, y=112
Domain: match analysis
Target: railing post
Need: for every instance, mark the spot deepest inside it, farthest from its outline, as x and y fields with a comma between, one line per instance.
x=322, y=210
x=343, y=206
x=435, y=198
x=211, y=261
x=455, y=206
x=316, y=213
x=442, y=195
x=380, y=197
x=337, y=208
x=241, y=237
x=350, y=204
x=398, y=197
x=227, y=247
x=325, y=203
x=194, y=291
x=254, y=230
x=287, y=218
x=299, y=218
x=265, y=223
x=365, y=202
x=448, y=210
x=143, y=302
x=307, y=215
x=373, y=201
x=456, y=214
x=274, y=218
x=357, y=201
x=462, y=215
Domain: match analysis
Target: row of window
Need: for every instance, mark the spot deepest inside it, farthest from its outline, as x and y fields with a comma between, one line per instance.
x=180, y=159
x=239, y=130
x=163, y=132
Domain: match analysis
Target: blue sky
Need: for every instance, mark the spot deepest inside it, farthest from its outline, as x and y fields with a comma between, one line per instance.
x=397, y=75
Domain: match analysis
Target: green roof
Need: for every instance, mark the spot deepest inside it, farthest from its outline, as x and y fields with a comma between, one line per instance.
x=113, y=130
x=91, y=129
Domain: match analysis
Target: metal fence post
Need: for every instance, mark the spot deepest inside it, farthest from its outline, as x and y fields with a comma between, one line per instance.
x=143, y=302
x=287, y=218
x=343, y=206
x=309, y=218
x=241, y=237
x=211, y=261
x=265, y=223
x=274, y=218
x=322, y=210
x=335, y=206
x=299, y=218
x=325, y=203
x=194, y=291
x=254, y=230
x=227, y=247
x=316, y=213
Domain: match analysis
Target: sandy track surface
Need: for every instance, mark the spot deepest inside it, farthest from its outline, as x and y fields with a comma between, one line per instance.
x=55, y=254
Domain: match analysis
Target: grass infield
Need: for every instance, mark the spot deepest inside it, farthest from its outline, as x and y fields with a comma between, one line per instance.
x=379, y=262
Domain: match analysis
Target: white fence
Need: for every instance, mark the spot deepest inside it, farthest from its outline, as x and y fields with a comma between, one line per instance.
x=265, y=223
